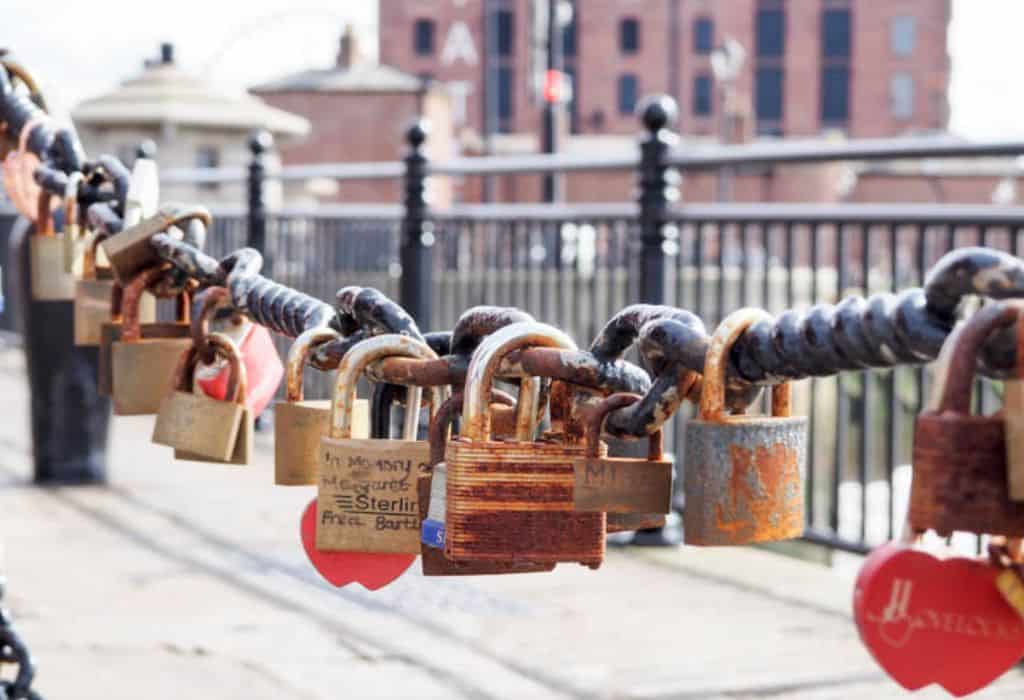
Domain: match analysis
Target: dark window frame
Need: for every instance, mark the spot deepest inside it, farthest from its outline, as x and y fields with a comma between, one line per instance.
x=630, y=40
x=770, y=36
x=836, y=39
x=703, y=98
x=703, y=35
x=423, y=36
x=627, y=107
x=836, y=75
x=504, y=32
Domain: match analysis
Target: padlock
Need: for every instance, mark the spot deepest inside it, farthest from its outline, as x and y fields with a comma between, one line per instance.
x=299, y=424
x=75, y=237
x=202, y=429
x=130, y=252
x=18, y=168
x=94, y=297
x=512, y=499
x=960, y=480
x=742, y=475
x=432, y=502
x=143, y=360
x=263, y=366
x=50, y=281
x=635, y=493
x=367, y=489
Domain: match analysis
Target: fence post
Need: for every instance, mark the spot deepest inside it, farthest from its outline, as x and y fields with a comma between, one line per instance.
x=260, y=143
x=415, y=291
x=658, y=188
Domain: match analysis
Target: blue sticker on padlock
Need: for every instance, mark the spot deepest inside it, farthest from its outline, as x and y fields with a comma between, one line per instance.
x=432, y=533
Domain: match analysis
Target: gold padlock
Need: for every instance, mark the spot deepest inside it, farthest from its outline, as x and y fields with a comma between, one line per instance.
x=367, y=497
x=204, y=429
x=75, y=237
x=50, y=281
x=299, y=424
x=143, y=362
x=130, y=251
x=94, y=301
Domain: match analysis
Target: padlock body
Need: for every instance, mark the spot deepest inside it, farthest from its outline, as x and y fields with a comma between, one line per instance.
x=367, y=495
x=110, y=333
x=129, y=252
x=622, y=485
x=960, y=479
x=515, y=500
x=92, y=309
x=627, y=522
x=298, y=427
x=242, y=453
x=743, y=480
x=263, y=368
x=143, y=373
x=199, y=425
x=50, y=280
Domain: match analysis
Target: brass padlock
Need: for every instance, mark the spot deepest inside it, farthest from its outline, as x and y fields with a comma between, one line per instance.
x=960, y=469
x=432, y=486
x=367, y=490
x=50, y=281
x=75, y=237
x=94, y=297
x=143, y=360
x=742, y=475
x=200, y=428
x=635, y=493
x=512, y=499
x=299, y=424
x=130, y=252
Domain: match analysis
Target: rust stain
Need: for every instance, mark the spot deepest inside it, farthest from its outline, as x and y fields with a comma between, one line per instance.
x=759, y=499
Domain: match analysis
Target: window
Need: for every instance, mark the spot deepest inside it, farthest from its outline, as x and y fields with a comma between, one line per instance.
x=574, y=117
x=901, y=95
x=835, y=95
x=423, y=37
x=903, y=35
x=505, y=29
x=768, y=96
x=835, y=33
x=702, y=95
x=569, y=35
x=506, y=104
x=629, y=87
x=629, y=35
x=703, y=35
x=208, y=157
x=771, y=32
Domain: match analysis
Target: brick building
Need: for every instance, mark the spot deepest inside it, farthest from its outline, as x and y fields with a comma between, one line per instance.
x=863, y=67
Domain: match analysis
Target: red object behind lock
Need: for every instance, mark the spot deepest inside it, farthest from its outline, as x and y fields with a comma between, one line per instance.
x=263, y=368
x=929, y=620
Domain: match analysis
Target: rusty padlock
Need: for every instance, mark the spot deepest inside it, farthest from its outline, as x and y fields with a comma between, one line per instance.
x=742, y=474
x=512, y=499
x=299, y=424
x=202, y=429
x=143, y=359
x=18, y=168
x=432, y=503
x=635, y=493
x=50, y=280
x=367, y=489
x=130, y=252
x=94, y=300
x=960, y=469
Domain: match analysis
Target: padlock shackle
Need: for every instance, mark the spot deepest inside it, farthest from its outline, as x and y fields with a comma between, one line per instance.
x=71, y=209
x=352, y=366
x=956, y=390
x=238, y=381
x=712, y=395
x=89, y=256
x=299, y=353
x=445, y=415
x=598, y=415
x=199, y=327
x=44, y=214
x=484, y=365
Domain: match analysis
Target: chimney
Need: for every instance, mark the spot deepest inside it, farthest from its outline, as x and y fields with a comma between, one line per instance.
x=348, y=49
x=167, y=53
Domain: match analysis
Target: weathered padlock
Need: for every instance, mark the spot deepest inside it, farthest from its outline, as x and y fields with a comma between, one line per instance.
x=742, y=475
x=50, y=281
x=143, y=360
x=960, y=478
x=94, y=298
x=130, y=251
x=432, y=503
x=299, y=424
x=367, y=489
x=635, y=493
x=18, y=168
x=512, y=499
x=202, y=429
x=75, y=237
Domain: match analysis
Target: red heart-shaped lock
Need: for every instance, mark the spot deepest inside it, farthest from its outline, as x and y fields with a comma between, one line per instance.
x=263, y=370
x=929, y=620
x=342, y=568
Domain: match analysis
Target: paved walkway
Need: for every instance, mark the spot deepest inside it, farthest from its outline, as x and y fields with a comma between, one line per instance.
x=187, y=581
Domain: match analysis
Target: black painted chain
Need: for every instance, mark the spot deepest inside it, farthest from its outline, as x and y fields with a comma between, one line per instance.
x=881, y=331
x=14, y=651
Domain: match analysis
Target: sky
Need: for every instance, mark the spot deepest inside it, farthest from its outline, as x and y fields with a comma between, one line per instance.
x=77, y=52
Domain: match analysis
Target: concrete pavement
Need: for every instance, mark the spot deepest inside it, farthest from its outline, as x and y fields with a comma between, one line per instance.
x=188, y=580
